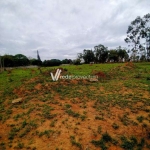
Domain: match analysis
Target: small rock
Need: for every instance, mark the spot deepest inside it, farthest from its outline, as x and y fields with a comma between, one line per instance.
x=18, y=100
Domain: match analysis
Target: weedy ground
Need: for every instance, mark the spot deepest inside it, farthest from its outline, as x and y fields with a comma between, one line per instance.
x=113, y=113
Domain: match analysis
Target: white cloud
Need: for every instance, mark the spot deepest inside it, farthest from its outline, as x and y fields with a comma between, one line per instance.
x=61, y=29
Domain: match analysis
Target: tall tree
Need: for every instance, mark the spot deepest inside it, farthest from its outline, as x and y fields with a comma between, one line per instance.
x=80, y=56
x=146, y=34
x=88, y=56
x=21, y=60
x=113, y=55
x=122, y=53
x=133, y=34
x=138, y=29
x=66, y=61
x=101, y=53
x=8, y=61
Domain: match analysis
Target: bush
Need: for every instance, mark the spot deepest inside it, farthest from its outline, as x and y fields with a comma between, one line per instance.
x=106, y=137
x=52, y=62
x=77, y=62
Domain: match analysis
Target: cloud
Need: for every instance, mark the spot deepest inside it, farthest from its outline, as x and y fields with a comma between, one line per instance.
x=61, y=29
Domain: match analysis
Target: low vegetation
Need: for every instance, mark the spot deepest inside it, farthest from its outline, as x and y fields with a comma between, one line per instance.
x=112, y=113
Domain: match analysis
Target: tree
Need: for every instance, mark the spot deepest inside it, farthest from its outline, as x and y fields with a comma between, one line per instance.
x=138, y=29
x=145, y=33
x=21, y=60
x=8, y=61
x=80, y=56
x=101, y=53
x=113, y=55
x=143, y=58
x=133, y=33
x=88, y=56
x=66, y=61
x=122, y=53
x=77, y=62
x=52, y=62
x=35, y=62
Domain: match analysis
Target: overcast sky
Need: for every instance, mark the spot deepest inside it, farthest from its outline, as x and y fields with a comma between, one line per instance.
x=62, y=28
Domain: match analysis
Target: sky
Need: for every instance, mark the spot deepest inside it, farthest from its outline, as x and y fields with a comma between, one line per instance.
x=60, y=29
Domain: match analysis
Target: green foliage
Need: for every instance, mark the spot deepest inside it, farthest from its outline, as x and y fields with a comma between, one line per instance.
x=137, y=30
x=88, y=56
x=52, y=62
x=72, y=113
x=35, y=62
x=74, y=142
x=99, y=118
x=8, y=61
x=118, y=54
x=102, y=142
x=68, y=106
x=46, y=112
x=99, y=143
x=13, y=133
x=21, y=60
x=47, y=133
x=140, y=118
x=52, y=124
x=76, y=62
x=20, y=145
x=99, y=129
x=141, y=144
x=2, y=146
x=115, y=126
x=128, y=144
x=106, y=137
x=66, y=61
x=101, y=53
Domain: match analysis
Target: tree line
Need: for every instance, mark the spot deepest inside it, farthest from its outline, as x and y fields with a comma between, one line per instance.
x=22, y=60
x=101, y=54
x=137, y=31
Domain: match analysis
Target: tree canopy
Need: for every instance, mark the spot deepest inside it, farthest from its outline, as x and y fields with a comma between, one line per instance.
x=137, y=30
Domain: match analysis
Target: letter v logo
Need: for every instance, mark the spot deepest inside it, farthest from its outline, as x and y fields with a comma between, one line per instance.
x=57, y=74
